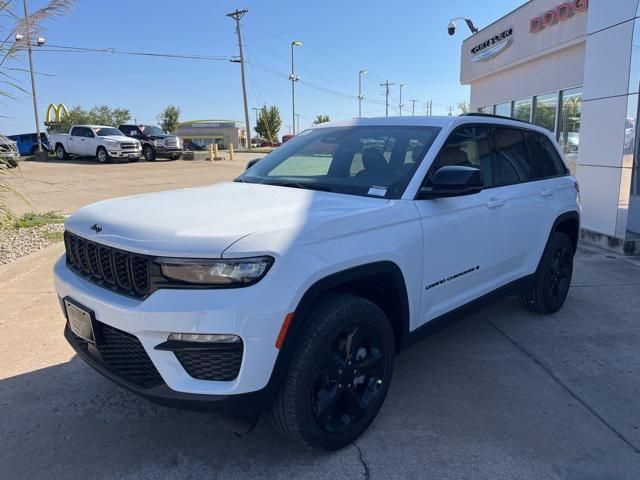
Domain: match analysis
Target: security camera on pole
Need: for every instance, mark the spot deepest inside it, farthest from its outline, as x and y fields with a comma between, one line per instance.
x=452, y=26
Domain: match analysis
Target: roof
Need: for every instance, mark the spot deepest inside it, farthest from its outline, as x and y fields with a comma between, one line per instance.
x=192, y=122
x=418, y=121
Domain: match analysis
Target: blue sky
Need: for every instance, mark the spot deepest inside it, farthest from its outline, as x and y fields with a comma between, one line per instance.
x=404, y=42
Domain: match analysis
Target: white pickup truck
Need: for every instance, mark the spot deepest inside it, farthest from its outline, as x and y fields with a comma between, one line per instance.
x=98, y=141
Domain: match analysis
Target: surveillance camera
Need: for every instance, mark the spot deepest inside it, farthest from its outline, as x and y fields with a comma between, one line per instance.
x=452, y=29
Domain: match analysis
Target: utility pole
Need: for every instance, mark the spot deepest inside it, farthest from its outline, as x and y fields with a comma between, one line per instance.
x=256, y=110
x=298, y=121
x=450, y=110
x=294, y=78
x=413, y=107
x=402, y=85
x=360, y=96
x=27, y=21
x=386, y=86
x=428, y=108
x=237, y=15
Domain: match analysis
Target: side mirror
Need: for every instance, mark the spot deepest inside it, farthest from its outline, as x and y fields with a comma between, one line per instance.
x=251, y=163
x=453, y=181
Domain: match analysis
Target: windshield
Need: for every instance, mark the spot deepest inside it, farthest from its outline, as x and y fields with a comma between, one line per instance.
x=376, y=161
x=151, y=130
x=107, y=131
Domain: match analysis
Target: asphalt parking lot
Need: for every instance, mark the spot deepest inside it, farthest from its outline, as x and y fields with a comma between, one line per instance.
x=504, y=394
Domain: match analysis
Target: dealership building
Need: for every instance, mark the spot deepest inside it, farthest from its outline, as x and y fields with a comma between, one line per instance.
x=199, y=134
x=574, y=68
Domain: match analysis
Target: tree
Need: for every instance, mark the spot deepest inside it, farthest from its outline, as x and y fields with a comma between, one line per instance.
x=321, y=119
x=169, y=119
x=464, y=107
x=269, y=123
x=98, y=115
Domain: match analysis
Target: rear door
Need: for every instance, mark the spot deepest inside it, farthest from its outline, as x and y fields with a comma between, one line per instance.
x=464, y=237
x=526, y=206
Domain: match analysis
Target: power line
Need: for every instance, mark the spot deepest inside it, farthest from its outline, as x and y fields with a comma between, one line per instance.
x=69, y=49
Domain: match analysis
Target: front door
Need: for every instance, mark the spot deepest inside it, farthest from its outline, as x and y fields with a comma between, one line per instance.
x=464, y=237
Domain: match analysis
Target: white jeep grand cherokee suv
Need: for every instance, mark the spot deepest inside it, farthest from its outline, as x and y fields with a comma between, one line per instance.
x=291, y=289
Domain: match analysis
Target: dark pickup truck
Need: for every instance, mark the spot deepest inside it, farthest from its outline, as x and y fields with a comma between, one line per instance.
x=155, y=142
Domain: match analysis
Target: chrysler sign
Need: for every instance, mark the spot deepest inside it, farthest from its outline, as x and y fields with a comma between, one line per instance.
x=493, y=47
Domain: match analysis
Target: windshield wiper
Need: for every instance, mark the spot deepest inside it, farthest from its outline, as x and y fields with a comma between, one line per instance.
x=304, y=186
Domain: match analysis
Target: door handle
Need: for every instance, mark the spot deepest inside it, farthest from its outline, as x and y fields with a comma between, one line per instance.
x=546, y=192
x=495, y=203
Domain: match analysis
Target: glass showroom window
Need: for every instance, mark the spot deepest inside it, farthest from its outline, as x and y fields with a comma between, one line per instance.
x=485, y=110
x=546, y=111
x=569, y=125
x=504, y=109
x=522, y=109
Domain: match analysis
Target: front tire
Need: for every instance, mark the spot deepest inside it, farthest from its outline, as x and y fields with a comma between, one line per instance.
x=102, y=155
x=149, y=153
x=339, y=375
x=553, y=277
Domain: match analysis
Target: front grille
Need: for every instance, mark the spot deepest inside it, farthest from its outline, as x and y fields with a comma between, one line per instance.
x=127, y=146
x=117, y=270
x=171, y=142
x=223, y=364
x=124, y=355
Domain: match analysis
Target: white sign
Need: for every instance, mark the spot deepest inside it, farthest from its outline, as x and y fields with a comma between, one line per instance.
x=492, y=47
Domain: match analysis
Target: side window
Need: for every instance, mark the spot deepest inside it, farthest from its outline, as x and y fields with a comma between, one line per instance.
x=86, y=132
x=76, y=131
x=512, y=157
x=545, y=160
x=467, y=146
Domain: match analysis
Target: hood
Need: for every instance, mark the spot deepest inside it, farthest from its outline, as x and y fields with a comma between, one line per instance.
x=203, y=222
x=117, y=138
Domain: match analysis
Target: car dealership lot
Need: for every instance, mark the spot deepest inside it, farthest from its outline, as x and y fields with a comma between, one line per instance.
x=70, y=184
x=502, y=394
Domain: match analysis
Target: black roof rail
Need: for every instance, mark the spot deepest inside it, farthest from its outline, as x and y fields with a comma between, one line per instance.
x=492, y=115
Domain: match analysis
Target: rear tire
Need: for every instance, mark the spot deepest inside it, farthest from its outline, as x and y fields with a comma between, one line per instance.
x=149, y=153
x=61, y=153
x=553, y=277
x=339, y=375
x=102, y=155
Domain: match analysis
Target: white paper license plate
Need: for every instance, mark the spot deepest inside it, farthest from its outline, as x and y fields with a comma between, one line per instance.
x=80, y=321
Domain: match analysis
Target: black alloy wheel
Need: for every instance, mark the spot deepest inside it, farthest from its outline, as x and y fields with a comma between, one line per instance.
x=349, y=378
x=148, y=153
x=339, y=374
x=553, y=277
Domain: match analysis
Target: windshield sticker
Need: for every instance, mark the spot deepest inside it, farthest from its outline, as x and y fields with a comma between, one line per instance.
x=377, y=191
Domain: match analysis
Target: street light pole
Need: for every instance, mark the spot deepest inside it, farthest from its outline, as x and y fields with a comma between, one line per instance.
x=237, y=15
x=294, y=78
x=33, y=78
x=402, y=85
x=360, y=96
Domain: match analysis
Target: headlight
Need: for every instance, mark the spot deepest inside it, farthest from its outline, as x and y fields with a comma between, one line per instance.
x=158, y=143
x=238, y=272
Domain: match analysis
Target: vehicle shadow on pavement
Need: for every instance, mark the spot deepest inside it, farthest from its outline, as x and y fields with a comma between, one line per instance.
x=465, y=403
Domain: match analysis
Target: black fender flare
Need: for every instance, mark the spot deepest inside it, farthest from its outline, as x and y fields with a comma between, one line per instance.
x=299, y=322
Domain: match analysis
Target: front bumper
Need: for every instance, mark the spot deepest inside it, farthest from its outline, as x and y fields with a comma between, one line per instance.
x=151, y=321
x=134, y=153
x=162, y=151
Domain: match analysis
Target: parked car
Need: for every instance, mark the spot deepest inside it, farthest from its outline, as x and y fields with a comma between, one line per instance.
x=8, y=152
x=291, y=289
x=155, y=142
x=105, y=143
x=287, y=137
x=28, y=143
